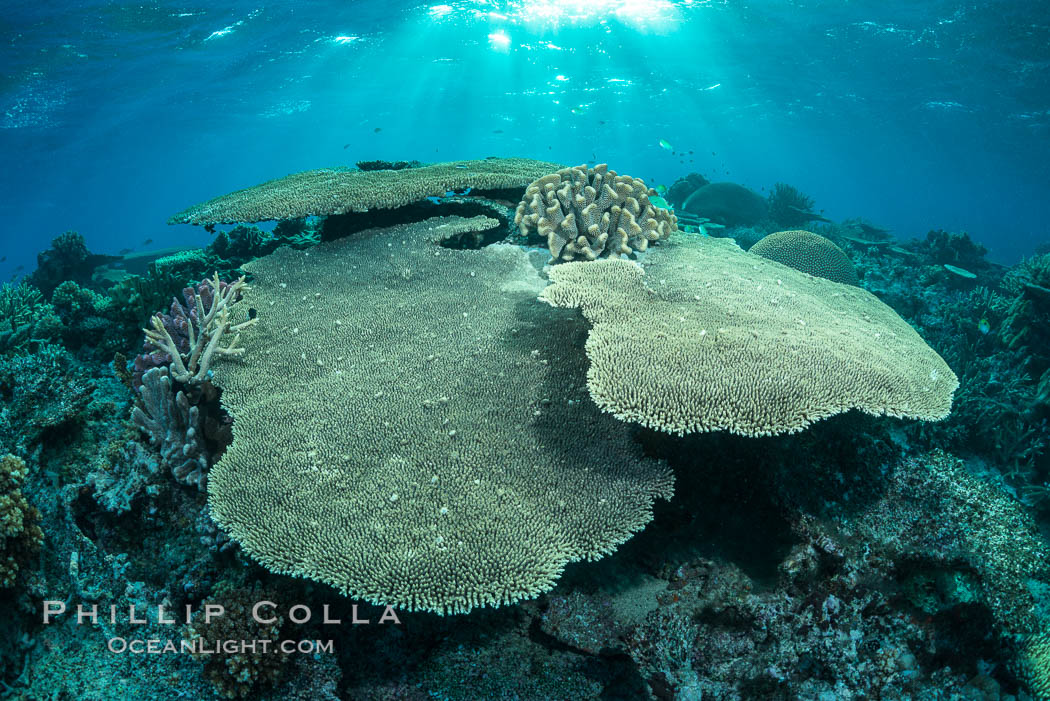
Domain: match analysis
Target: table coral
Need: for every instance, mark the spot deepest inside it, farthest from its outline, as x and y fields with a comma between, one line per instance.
x=411, y=426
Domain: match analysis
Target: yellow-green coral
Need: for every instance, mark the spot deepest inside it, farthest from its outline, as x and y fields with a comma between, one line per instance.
x=589, y=213
x=711, y=338
x=20, y=534
x=339, y=190
x=411, y=426
x=811, y=253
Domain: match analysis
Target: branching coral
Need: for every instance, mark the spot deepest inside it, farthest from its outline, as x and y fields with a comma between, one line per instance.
x=589, y=213
x=20, y=534
x=204, y=324
x=415, y=430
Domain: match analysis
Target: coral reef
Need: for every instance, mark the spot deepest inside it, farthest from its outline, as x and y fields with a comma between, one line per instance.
x=704, y=346
x=811, y=253
x=414, y=427
x=20, y=533
x=338, y=191
x=590, y=213
x=728, y=204
x=433, y=458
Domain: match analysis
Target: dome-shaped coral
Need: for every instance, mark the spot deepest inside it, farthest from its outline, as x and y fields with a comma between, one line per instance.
x=811, y=253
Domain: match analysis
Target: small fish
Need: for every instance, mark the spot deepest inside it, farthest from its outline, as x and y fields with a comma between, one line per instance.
x=3, y=258
x=210, y=228
x=983, y=326
x=665, y=145
x=661, y=190
x=377, y=130
x=346, y=146
x=690, y=153
x=21, y=267
x=123, y=251
x=497, y=131
x=659, y=202
x=147, y=242
x=601, y=121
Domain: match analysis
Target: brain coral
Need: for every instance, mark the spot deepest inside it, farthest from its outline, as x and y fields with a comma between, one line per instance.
x=412, y=426
x=710, y=338
x=341, y=190
x=811, y=253
x=592, y=213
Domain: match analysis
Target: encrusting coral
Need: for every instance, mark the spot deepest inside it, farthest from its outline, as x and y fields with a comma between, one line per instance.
x=412, y=427
x=339, y=190
x=204, y=328
x=20, y=534
x=589, y=213
x=811, y=253
x=710, y=338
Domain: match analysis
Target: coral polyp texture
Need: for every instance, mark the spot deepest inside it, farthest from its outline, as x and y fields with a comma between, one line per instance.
x=589, y=213
x=710, y=338
x=412, y=426
x=811, y=253
x=341, y=190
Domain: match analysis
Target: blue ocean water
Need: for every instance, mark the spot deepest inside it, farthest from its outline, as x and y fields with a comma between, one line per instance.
x=915, y=116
